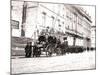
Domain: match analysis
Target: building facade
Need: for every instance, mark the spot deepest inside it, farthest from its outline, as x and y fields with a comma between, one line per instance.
x=29, y=19
x=93, y=37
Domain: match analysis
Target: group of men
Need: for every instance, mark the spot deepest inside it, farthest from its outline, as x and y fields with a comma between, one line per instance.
x=32, y=50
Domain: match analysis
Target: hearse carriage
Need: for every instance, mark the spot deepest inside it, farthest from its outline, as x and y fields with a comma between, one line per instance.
x=51, y=45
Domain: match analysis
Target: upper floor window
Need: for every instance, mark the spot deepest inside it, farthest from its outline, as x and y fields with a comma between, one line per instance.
x=52, y=17
x=43, y=18
x=62, y=22
x=59, y=25
x=44, y=13
x=58, y=20
x=53, y=25
x=68, y=26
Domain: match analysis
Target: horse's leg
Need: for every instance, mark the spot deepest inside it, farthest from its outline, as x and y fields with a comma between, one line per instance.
x=46, y=50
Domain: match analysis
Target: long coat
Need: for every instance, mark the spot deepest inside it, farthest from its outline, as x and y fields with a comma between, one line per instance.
x=28, y=50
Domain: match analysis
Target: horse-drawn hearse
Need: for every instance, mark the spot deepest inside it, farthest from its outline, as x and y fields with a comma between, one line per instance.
x=51, y=45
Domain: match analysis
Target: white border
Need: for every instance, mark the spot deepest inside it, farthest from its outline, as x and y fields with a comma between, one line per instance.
x=5, y=36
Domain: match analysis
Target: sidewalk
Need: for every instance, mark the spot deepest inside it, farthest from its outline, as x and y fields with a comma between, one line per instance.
x=79, y=61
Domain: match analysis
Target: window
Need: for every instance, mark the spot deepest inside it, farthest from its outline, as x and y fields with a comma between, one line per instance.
x=43, y=18
x=71, y=16
x=63, y=15
x=59, y=25
x=68, y=26
x=75, y=17
x=62, y=22
x=43, y=13
x=63, y=8
x=58, y=20
x=53, y=21
x=15, y=24
x=52, y=17
x=79, y=21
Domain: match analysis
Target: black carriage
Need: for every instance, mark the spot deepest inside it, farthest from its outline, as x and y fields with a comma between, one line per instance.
x=51, y=45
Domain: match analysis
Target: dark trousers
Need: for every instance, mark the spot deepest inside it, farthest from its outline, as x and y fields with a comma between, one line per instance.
x=28, y=54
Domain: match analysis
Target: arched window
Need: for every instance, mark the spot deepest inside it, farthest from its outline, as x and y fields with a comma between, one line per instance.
x=53, y=21
x=43, y=18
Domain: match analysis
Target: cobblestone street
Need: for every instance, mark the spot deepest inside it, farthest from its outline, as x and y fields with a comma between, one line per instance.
x=79, y=61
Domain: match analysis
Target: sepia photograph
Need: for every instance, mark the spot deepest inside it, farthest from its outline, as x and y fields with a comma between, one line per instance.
x=52, y=37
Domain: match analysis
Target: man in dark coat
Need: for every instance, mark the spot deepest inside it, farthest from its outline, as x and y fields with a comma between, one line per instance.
x=65, y=45
x=28, y=49
x=35, y=49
